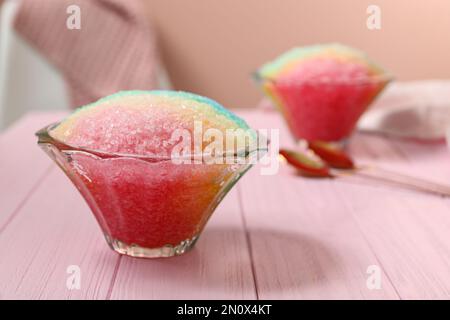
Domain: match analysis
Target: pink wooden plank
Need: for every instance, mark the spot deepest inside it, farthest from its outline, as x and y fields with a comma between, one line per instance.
x=304, y=244
x=410, y=235
x=308, y=238
x=218, y=267
x=427, y=160
x=54, y=230
x=22, y=164
x=27, y=282
x=408, y=231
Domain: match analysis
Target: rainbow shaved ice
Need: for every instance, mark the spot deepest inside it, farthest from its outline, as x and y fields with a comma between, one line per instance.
x=322, y=90
x=142, y=200
x=142, y=122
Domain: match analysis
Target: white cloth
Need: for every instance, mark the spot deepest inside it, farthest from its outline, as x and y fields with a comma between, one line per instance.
x=418, y=109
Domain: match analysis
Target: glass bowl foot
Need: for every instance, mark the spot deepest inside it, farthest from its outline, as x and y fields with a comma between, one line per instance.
x=134, y=250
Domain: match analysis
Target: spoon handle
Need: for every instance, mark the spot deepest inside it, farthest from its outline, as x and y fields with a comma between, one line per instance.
x=397, y=179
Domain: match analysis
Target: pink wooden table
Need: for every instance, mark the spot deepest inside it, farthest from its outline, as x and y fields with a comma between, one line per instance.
x=273, y=237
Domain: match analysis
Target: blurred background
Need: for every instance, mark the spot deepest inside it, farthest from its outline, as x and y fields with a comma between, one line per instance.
x=211, y=47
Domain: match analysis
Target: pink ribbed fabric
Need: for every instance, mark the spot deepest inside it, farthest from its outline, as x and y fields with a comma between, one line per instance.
x=115, y=49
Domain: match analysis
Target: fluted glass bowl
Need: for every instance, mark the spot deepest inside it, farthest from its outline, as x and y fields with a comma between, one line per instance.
x=146, y=206
x=322, y=109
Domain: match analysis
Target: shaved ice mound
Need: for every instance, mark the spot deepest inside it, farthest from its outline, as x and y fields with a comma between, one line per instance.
x=322, y=90
x=145, y=204
x=334, y=53
x=142, y=122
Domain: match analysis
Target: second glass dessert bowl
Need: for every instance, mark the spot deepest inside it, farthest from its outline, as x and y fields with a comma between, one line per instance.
x=322, y=109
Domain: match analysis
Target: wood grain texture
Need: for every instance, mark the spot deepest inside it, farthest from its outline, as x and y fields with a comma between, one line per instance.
x=46, y=225
x=280, y=236
x=408, y=230
x=54, y=230
x=22, y=164
x=305, y=244
x=218, y=267
x=300, y=232
x=386, y=226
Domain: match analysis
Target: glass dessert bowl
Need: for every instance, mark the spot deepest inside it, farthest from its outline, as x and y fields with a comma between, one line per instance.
x=322, y=90
x=326, y=110
x=146, y=206
x=137, y=159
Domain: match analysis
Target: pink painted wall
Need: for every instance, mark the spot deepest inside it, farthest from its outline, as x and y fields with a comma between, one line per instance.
x=211, y=46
